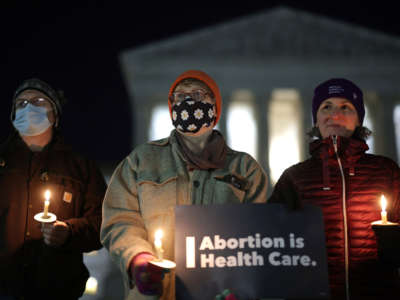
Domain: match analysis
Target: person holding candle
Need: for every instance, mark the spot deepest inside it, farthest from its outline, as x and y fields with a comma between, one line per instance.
x=347, y=183
x=191, y=166
x=45, y=261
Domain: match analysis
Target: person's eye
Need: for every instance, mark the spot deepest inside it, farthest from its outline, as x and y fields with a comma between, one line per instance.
x=40, y=101
x=326, y=106
x=197, y=95
x=21, y=103
x=179, y=97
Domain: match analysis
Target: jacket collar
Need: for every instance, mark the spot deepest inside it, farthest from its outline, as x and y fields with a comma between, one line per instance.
x=347, y=147
x=57, y=143
x=349, y=151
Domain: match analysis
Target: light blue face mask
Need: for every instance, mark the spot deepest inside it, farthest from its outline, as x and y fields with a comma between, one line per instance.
x=31, y=120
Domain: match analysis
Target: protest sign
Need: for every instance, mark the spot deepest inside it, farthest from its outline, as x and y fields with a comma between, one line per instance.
x=255, y=250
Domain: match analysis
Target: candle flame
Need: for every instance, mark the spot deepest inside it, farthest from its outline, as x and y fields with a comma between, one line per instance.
x=157, y=238
x=157, y=243
x=47, y=195
x=383, y=203
x=159, y=234
x=91, y=286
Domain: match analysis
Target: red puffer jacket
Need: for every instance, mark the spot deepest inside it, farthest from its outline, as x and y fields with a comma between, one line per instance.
x=348, y=188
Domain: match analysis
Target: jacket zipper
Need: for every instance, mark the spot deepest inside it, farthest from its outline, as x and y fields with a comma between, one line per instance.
x=346, y=241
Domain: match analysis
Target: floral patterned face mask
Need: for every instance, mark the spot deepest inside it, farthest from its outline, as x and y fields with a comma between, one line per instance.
x=190, y=115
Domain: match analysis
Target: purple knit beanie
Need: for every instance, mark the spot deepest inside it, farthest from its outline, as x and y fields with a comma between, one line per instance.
x=340, y=88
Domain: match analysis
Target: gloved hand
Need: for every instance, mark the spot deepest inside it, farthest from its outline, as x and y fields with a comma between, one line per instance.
x=388, y=238
x=55, y=234
x=226, y=295
x=147, y=277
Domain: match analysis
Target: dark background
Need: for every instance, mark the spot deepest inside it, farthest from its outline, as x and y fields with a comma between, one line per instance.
x=75, y=47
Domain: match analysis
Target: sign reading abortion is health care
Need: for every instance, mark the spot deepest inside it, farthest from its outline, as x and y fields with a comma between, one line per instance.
x=255, y=250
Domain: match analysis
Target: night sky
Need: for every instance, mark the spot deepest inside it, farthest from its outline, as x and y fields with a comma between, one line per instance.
x=75, y=48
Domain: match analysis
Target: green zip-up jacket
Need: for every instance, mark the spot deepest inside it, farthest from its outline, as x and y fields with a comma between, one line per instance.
x=145, y=188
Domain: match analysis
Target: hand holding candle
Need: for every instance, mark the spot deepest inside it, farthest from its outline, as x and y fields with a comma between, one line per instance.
x=160, y=261
x=387, y=234
x=384, y=219
x=46, y=216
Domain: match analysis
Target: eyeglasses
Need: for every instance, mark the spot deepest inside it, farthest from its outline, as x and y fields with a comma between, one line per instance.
x=197, y=95
x=21, y=103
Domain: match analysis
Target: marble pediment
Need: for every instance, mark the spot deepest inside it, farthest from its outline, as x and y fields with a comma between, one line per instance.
x=277, y=32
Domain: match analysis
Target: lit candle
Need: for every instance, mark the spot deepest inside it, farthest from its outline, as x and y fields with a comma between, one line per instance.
x=46, y=204
x=158, y=244
x=91, y=286
x=383, y=212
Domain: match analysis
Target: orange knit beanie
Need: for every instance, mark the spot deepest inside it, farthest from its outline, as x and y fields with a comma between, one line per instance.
x=199, y=75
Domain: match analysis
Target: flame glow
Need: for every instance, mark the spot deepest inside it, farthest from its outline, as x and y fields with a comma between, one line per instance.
x=47, y=195
x=383, y=203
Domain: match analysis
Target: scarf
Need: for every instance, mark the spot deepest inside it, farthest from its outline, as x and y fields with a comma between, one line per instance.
x=212, y=156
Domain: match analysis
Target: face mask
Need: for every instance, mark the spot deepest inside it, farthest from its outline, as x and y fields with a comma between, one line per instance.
x=191, y=116
x=31, y=120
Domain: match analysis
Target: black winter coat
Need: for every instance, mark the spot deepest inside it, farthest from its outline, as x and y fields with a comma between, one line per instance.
x=349, y=204
x=28, y=267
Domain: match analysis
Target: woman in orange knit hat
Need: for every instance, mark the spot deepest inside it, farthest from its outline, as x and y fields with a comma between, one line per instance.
x=191, y=166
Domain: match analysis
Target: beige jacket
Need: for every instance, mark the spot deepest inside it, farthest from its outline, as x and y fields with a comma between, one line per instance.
x=145, y=188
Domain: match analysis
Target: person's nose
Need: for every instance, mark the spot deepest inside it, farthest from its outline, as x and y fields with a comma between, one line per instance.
x=335, y=113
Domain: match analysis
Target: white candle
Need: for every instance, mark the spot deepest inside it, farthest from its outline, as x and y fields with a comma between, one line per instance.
x=46, y=204
x=158, y=244
x=383, y=212
x=91, y=286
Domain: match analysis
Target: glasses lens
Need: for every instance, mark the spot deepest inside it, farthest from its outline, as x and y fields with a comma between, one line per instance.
x=198, y=95
x=21, y=103
x=39, y=102
x=178, y=96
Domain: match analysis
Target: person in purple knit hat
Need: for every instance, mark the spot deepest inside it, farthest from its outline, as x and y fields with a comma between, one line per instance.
x=347, y=184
